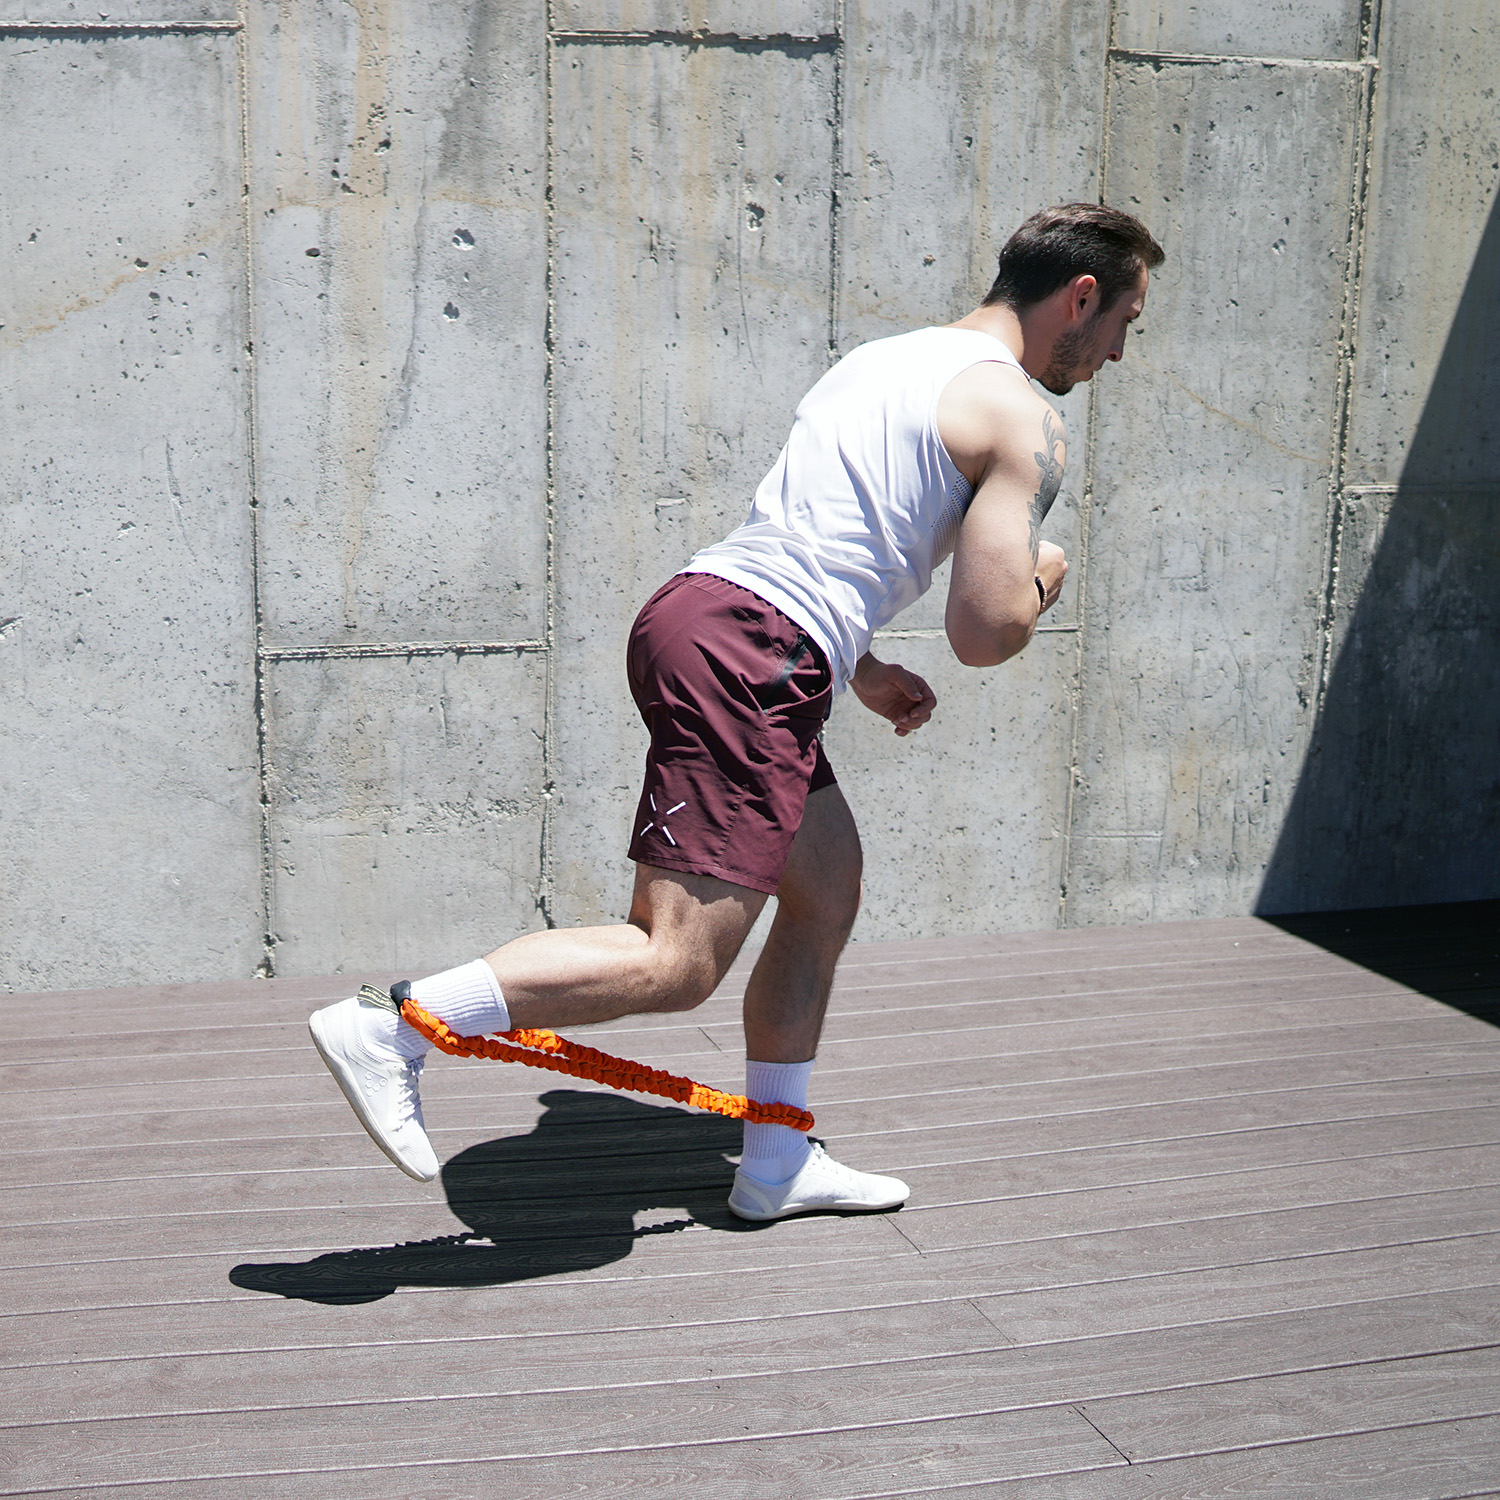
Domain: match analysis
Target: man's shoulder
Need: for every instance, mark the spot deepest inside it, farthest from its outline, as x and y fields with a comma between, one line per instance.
x=1000, y=388
x=991, y=411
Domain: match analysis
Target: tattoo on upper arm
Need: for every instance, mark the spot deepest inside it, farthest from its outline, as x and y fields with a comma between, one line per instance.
x=1049, y=480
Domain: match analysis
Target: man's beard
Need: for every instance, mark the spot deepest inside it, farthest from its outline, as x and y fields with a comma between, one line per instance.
x=1072, y=349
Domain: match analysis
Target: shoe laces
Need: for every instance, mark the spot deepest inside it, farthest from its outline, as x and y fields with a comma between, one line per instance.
x=825, y=1161
x=409, y=1099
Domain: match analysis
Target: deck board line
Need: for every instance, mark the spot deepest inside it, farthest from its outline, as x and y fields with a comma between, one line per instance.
x=927, y=1254
x=678, y=1326
x=261, y=1139
x=724, y=1441
x=1146, y=1467
x=298, y=1048
x=958, y=1161
x=258, y=1209
x=780, y=1373
x=1029, y=1289
x=496, y=1097
x=1319, y=965
x=1423, y=1008
x=1112, y=1184
x=1457, y=1022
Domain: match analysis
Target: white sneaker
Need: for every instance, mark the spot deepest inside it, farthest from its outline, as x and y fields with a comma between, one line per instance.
x=379, y=1084
x=819, y=1183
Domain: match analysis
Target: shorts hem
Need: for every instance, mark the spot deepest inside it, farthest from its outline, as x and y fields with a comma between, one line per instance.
x=716, y=871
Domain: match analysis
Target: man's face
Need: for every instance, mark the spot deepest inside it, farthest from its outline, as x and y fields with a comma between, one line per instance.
x=1081, y=351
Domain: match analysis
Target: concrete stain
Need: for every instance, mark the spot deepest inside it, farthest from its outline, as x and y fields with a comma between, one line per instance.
x=136, y=269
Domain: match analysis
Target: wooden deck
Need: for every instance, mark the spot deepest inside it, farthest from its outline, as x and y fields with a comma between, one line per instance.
x=1200, y=1209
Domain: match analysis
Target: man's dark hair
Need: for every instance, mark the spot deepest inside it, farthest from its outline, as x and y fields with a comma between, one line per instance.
x=1075, y=239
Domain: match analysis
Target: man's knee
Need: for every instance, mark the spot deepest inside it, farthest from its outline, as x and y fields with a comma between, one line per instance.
x=821, y=887
x=684, y=977
x=694, y=926
x=828, y=904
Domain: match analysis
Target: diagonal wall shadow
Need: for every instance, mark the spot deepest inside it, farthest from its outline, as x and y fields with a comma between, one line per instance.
x=563, y=1198
x=1398, y=802
x=1449, y=953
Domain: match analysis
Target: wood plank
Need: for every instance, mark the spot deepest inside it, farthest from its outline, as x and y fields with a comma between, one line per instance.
x=1034, y=1145
x=1354, y=995
x=1388, y=1394
x=958, y=1217
x=787, y=1318
x=593, y=1167
x=852, y=1098
x=1444, y=1461
x=82, y=1141
x=739, y=1466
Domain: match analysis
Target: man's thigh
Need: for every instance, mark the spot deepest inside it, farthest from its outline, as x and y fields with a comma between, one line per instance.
x=698, y=923
x=822, y=880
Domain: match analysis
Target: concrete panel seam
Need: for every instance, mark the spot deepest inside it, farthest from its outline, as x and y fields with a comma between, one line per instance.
x=546, y=833
x=785, y=41
x=117, y=28
x=1215, y=59
x=1086, y=500
x=1437, y=487
x=1364, y=137
x=267, y=965
x=364, y=651
x=833, y=193
x=937, y=633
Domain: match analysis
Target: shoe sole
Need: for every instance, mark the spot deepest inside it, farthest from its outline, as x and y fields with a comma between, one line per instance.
x=756, y=1216
x=351, y=1091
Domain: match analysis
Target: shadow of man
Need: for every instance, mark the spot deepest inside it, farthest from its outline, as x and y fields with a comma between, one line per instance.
x=563, y=1198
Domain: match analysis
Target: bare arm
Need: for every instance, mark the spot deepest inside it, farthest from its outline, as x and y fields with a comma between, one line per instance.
x=1011, y=446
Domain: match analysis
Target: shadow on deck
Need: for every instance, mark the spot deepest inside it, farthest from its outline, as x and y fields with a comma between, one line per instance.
x=563, y=1198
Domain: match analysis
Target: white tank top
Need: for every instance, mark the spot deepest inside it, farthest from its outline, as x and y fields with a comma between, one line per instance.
x=864, y=501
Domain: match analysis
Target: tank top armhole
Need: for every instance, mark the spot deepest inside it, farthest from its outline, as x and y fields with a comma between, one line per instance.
x=951, y=471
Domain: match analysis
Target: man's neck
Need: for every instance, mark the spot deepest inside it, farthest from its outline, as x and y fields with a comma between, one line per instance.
x=1000, y=322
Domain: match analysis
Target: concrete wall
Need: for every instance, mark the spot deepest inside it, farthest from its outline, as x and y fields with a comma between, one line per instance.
x=364, y=366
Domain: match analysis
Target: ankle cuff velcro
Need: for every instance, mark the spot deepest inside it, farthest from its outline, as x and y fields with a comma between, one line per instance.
x=369, y=995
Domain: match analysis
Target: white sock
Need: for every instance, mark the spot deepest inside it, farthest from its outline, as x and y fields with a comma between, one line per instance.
x=774, y=1152
x=467, y=999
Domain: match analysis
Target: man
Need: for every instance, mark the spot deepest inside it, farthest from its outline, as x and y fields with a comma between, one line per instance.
x=908, y=449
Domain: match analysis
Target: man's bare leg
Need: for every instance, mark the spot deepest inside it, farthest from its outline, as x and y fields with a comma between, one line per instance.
x=816, y=904
x=782, y=1173
x=683, y=933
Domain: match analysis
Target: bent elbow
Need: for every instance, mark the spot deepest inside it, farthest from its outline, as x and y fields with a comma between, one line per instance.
x=975, y=653
x=991, y=647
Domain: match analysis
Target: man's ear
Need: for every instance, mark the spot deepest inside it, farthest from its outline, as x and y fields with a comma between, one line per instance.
x=1083, y=297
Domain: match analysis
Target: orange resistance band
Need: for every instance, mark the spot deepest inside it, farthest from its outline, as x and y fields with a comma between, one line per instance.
x=545, y=1049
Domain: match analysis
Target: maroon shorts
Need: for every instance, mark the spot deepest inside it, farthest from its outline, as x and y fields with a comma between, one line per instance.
x=734, y=695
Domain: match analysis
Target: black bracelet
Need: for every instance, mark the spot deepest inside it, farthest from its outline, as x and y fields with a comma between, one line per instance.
x=1041, y=594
